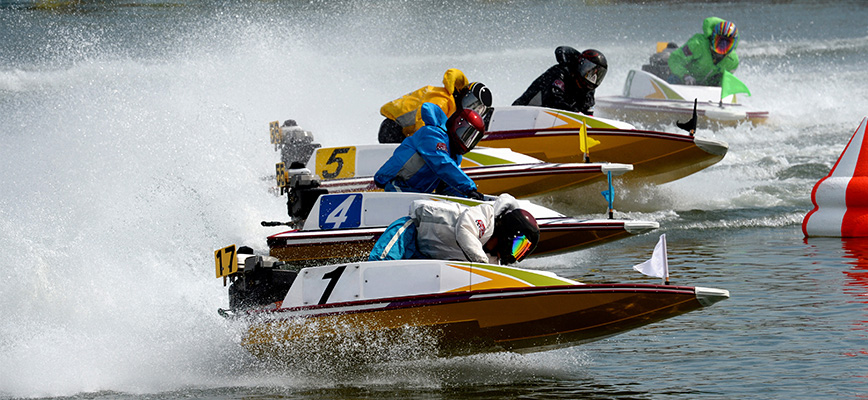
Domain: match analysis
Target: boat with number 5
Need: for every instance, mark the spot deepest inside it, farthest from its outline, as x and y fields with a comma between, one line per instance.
x=457, y=308
x=494, y=170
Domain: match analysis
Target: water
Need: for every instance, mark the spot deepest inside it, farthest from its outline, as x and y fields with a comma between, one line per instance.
x=134, y=144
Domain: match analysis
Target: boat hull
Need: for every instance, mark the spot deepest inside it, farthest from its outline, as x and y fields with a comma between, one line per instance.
x=519, y=180
x=538, y=318
x=657, y=157
x=652, y=101
x=652, y=112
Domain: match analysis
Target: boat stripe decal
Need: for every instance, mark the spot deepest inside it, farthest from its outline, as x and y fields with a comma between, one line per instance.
x=444, y=298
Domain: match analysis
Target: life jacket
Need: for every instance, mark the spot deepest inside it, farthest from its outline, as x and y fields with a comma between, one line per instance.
x=398, y=242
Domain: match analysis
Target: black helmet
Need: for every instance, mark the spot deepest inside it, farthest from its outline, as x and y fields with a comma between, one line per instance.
x=567, y=55
x=591, y=69
x=465, y=128
x=517, y=235
x=474, y=96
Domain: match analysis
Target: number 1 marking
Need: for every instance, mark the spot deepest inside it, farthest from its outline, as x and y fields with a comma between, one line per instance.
x=333, y=280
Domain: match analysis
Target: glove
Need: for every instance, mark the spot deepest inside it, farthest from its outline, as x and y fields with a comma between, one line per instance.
x=475, y=195
x=689, y=80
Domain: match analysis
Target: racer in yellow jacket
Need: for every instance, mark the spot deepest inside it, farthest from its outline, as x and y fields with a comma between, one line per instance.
x=403, y=116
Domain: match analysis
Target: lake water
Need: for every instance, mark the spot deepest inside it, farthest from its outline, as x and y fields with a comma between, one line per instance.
x=133, y=142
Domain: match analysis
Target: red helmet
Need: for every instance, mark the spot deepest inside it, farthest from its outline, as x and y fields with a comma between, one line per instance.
x=465, y=129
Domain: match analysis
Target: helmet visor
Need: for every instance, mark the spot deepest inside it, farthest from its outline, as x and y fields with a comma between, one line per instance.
x=468, y=129
x=471, y=102
x=521, y=245
x=723, y=44
x=592, y=74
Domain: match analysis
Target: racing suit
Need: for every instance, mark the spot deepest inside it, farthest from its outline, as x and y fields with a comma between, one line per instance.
x=697, y=59
x=451, y=231
x=556, y=88
x=405, y=112
x=424, y=161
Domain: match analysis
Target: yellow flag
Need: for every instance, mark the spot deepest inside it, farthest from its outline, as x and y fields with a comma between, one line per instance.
x=586, y=142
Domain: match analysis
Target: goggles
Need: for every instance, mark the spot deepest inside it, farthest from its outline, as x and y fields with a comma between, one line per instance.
x=520, y=247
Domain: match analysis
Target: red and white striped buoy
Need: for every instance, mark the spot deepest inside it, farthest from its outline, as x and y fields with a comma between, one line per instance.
x=841, y=198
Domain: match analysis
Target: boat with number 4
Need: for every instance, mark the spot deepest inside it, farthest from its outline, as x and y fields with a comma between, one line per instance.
x=456, y=308
x=343, y=227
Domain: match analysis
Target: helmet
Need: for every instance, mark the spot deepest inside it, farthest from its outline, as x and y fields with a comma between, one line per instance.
x=567, y=55
x=591, y=69
x=476, y=97
x=517, y=235
x=724, y=37
x=465, y=128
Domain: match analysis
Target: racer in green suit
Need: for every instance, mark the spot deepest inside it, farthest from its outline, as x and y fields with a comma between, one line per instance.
x=702, y=60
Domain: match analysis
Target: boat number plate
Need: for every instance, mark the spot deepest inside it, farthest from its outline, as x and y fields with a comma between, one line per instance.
x=225, y=261
x=337, y=211
x=336, y=162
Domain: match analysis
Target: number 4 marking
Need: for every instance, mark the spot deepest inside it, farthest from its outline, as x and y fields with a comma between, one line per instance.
x=339, y=214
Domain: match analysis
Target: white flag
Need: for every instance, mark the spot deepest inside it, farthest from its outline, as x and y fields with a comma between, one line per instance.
x=658, y=265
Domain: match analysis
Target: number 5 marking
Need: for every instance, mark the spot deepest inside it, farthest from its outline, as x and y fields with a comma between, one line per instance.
x=333, y=280
x=341, y=161
x=335, y=159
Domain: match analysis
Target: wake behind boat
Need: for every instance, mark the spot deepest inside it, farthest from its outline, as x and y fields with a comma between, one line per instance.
x=458, y=308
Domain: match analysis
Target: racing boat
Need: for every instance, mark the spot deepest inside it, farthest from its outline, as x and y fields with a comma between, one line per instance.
x=454, y=308
x=555, y=135
x=651, y=100
x=343, y=227
x=494, y=170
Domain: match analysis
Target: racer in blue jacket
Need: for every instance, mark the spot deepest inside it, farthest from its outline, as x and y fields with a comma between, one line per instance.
x=430, y=160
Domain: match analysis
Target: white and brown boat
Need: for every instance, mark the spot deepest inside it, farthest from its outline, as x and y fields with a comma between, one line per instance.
x=458, y=308
x=342, y=227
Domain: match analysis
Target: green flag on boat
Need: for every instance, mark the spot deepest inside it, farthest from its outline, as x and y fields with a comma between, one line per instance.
x=729, y=84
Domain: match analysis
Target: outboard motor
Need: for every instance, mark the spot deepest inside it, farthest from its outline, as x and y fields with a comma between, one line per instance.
x=295, y=144
x=659, y=62
x=303, y=189
x=261, y=282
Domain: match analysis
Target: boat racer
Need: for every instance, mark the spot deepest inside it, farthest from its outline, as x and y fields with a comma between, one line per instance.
x=493, y=233
x=570, y=84
x=429, y=161
x=702, y=60
x=403, y=115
